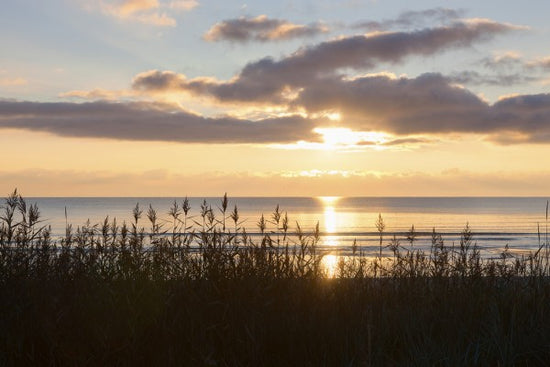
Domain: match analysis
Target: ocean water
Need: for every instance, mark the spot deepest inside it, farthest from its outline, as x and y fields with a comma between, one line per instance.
x=520, y=223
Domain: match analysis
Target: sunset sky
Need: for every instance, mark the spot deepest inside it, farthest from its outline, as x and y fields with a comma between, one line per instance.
x=275, y=98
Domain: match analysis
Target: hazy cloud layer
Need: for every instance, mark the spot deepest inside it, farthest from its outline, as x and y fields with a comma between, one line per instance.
x=269, y=79
x=262, y=29
x=148, y=122
x=40, y=182
x=412, y=19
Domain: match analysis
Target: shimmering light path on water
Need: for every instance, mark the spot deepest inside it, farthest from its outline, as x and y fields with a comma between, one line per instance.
x=495, y=222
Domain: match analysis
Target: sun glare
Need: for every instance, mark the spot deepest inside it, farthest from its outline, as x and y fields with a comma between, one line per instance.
x=329, y=200
x=334, y=116
x=338, y=137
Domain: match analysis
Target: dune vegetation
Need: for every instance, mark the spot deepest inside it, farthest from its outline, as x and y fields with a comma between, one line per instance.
x=199, y=290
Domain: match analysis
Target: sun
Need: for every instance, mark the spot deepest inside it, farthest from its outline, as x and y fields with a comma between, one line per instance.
x=342, y=137
x=338, y=136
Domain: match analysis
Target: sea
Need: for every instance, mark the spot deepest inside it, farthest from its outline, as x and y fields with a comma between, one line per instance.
x=518, y=223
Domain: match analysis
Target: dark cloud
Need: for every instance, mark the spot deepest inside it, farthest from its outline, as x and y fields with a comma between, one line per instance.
x=428, y=104
x=268, y=79
x=412, y=20
x=408, y=141
x=148, y=122
x=262, y=29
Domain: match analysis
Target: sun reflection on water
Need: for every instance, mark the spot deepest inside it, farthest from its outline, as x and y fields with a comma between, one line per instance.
x=329, y=203
x=330, y=263
x=330, y=260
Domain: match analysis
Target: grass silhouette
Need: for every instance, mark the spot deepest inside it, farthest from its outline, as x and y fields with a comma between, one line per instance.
x=199, y=290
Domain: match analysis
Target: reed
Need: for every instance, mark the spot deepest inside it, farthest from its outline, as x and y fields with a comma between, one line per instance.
x=200, y=290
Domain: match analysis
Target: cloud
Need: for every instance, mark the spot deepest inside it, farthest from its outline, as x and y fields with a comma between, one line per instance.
x=541, y=63
x=310, y=81
x=183, y=4
x=271, y=80
x=127, y=7
x=428, y=104
x=261, y=29
x=510, y=68
x=13, y=82
x=98, y=94
x=472, y=77
x=513, y=60
x=149, y=122
x=152, y=12
x=412, y=19
x=507, y=60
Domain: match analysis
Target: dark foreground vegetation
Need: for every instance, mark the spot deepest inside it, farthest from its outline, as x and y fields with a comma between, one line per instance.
x=200, y=291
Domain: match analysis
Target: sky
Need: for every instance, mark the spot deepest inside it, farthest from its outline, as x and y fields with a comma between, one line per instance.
x=274, y=98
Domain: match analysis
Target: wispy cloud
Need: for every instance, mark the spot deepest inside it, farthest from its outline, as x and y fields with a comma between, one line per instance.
x=412, y=19
x=13, y=82
x=505, y=60
x=542, y=63
x=507, y=69
x=152, y=12
x=183, y=4
x=98, y=94
x=472, y=77
x=261, y=29
x=128, y=7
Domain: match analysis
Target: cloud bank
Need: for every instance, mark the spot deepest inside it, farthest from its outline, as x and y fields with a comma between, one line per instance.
x=429, y=104
x=309, y=84
x=148, y=122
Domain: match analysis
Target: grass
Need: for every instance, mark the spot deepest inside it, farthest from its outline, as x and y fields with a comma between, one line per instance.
x=198, y=290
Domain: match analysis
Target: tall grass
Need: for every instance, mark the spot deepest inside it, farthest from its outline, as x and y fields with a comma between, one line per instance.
x=199, y=290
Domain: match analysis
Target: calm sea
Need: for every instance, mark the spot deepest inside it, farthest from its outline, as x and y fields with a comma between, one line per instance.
x=495, y=221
